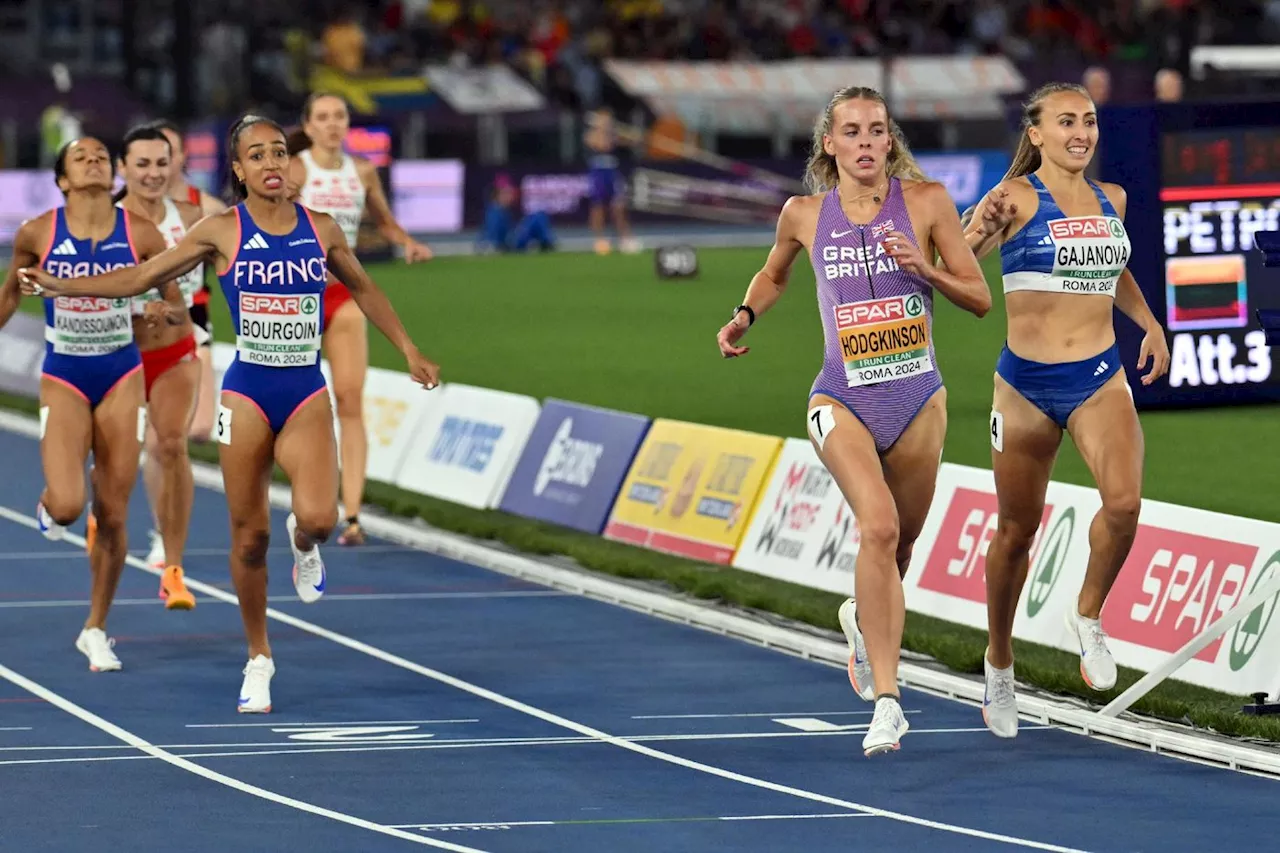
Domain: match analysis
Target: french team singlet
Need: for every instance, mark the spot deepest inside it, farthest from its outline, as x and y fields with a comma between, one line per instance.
x=172, y=229
x=87, y=325
x=877, y=319
x=338, y=192
x=1056, y=253
x=275, y=289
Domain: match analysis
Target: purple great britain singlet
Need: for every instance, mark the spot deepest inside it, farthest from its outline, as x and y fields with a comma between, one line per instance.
x=877, y=320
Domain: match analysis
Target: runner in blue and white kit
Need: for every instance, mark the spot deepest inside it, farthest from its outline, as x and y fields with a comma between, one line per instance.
x=91, y=395
x=1064, y=253
x=272, y=257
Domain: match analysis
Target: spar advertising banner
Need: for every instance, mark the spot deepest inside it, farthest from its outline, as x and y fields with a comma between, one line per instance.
x=1187, y=568
x=467, y=444
x=802, y=530
x=692, y=489
x=573, y=464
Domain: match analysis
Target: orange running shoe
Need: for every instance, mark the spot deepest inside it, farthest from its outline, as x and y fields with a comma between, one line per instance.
x=174, y=592
x=90, y=533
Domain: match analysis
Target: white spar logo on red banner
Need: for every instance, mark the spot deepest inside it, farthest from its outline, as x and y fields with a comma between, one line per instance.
x=1173, y=586
x=957, y=564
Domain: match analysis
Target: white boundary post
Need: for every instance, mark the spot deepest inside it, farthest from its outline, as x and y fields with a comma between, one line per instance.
x=1147, y=683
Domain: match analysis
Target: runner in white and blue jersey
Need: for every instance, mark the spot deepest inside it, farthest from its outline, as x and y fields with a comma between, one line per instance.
x=1064, y=254
x=91, y=389
x=273, y=257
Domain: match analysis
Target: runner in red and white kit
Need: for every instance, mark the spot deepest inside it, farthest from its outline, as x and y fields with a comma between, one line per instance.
x=180, y=190
x=327, y=179
x=171, y=371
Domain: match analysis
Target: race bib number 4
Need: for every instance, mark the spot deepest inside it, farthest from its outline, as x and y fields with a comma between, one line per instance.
x=279, y=331
x=884, y=339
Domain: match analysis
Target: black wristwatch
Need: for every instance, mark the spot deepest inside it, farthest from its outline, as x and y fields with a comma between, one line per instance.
x=751, y=315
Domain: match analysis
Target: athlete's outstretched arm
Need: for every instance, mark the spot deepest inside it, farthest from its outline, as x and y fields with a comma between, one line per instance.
x=1131, y=302
x=25, y=253
x=958, y=277
x=380, y=208
x=194, y=249
x=150, y=244
x=369, y=297
x=768, y=284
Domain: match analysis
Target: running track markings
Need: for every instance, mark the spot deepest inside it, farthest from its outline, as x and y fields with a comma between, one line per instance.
x=556, y=719
x=212, y=775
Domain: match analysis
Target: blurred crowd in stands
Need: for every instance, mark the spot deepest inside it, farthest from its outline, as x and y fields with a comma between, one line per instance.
x=253, y=51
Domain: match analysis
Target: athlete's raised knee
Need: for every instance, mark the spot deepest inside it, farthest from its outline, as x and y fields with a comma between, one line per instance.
x=317, y=522
x=64, y=505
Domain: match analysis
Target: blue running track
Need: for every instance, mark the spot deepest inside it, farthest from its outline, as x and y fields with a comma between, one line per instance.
x=430, y=703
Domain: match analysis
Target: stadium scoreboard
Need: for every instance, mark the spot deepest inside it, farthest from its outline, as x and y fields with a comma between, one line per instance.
x=1202, y=182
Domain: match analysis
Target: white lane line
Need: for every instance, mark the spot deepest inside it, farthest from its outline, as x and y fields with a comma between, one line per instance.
x=353, y=596
x=513, y=824
x=191, y=767
x=564, y=722
x=742, y=716
x=379, y=744
x=329, y=723
x=15, y=728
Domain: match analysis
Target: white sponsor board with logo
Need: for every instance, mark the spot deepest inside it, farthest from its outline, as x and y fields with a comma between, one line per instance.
x=1187, y=568
x=467, y=444
x=803, y=530
x=394, y=409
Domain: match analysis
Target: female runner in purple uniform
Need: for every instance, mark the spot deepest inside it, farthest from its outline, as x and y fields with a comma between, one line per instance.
x=877, y=410
x=273, y=258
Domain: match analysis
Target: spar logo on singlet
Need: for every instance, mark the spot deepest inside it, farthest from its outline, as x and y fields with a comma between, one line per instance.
x=90, y=325
x=1089, y=253
x=279, y=331
x=883, y=339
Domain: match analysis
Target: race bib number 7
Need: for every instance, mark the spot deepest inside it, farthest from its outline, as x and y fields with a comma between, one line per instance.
x=884, y=339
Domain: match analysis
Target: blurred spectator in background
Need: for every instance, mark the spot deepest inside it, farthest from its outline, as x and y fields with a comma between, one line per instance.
x=1168, y=86
x=1097, y=82
x=58, y=125
x=343, y=41
x=505, y=230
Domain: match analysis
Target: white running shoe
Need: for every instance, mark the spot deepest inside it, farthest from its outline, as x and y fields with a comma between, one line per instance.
x=255, y=691
x=51, y=529
x=1000, y=702
x=859, y=665
x=1097, y=666
x=888, y=725
x=94, y=644
x=308, y=568
x=155, y=557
